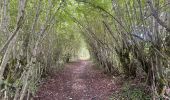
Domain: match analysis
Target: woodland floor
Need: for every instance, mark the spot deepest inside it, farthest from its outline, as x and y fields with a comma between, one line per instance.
x=79, y=80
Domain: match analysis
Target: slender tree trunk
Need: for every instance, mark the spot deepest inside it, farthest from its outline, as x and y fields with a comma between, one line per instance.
x=11, y=42
x=5, y=19
x=25, y=84
x=168, y=1
x=16, y=94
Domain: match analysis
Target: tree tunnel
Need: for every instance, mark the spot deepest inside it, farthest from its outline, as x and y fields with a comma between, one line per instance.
x=121, y=36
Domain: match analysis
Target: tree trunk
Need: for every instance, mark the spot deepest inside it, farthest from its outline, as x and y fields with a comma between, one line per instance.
x=11, y=42
x=5, y=18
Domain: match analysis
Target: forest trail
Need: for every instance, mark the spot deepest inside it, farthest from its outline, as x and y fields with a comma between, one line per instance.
x=78, y=81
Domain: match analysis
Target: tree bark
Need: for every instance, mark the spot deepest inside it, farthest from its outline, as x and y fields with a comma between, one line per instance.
x=11, y=42
x=156, y=16
x=168, y=1
x=5, y=18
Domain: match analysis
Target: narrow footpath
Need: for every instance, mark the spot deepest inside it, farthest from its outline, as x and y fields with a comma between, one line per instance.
x=79, y=80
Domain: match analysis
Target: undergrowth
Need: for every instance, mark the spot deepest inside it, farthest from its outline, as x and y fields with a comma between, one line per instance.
x=131, y=92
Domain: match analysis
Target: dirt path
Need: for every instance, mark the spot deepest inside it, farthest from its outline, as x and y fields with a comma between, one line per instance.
x=78, y=81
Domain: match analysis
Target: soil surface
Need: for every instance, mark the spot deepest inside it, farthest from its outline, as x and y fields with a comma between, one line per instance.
x=79, y=80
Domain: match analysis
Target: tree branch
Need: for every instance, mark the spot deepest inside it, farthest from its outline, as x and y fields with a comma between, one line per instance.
x=156, y=16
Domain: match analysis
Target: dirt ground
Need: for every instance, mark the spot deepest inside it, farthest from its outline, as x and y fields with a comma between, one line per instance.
x=79, y=80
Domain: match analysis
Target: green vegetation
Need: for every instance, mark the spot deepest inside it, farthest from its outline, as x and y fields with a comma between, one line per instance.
x=129, y=92
x=122, y=36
